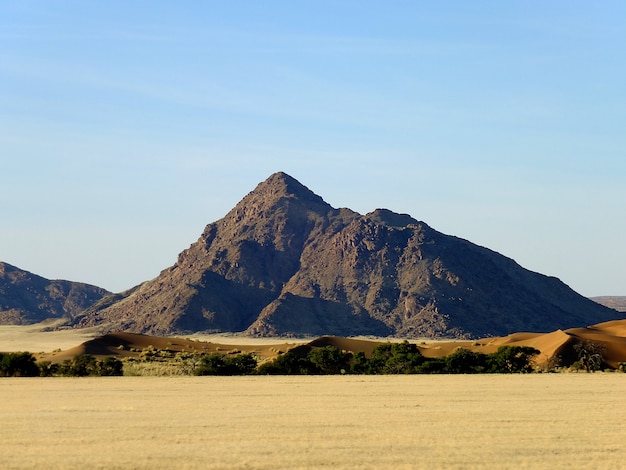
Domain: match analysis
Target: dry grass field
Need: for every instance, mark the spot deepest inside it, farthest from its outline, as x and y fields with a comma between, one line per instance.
x=550, y=421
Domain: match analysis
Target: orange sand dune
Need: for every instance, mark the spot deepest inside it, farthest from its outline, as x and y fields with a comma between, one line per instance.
x=611, y=335
x=614, y=327
x=346, y=344
x=612, y=339
x=130, y=345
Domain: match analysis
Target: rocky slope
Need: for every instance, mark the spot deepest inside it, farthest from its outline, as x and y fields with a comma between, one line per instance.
x=283, y=261
x=27, y=298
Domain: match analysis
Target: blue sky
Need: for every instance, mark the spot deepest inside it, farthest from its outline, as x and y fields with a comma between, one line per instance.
x=127, y=126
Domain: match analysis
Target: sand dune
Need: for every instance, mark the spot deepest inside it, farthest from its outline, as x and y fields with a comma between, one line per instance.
x=122, y=345
x=611, y=335
x=612, y=339
x=42, y=337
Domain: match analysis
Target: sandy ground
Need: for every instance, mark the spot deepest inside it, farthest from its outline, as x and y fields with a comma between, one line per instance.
x=539, y=421
x=38, y=337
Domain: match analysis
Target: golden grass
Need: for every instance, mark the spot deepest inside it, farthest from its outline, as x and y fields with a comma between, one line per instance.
x=487, y=421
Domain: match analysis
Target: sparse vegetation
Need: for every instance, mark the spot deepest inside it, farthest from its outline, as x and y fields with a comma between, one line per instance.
x=318, y=358
x=402, y=358
x=83, y=365
x=23, y=364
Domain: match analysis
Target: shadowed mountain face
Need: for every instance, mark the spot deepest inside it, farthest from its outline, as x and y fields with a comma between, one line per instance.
x=27, y=298
x=283, y=261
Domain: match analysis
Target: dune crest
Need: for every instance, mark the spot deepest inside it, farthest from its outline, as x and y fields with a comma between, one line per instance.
x=553, y=346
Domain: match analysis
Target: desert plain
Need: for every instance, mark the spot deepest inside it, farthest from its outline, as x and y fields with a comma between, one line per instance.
x=341, y=422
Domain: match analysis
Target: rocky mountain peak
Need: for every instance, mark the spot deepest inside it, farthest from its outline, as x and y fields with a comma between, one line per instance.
x=283, y=261
x=280, y=186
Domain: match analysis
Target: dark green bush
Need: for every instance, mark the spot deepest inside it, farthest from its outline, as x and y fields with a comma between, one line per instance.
x=329, y=360
x=220, y=364
x=511, y=360
x=401, y=358
x=87, y=365
x=393, y=358
x=287, y=364
x=18, y=364
x=111, y=367
x=464, y=361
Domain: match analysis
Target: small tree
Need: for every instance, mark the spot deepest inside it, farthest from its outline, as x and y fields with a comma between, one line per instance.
x=330, y=360
x=405, y=359
x=48, y=369
x=379, y=358
x=18, y=364
x=244, y=364
x=83, y=365
x=512, y=359
x=219, y=364
x=110, y=367
x=287, y=364
x=360, y=364
x=590, y=355
x=464, y=361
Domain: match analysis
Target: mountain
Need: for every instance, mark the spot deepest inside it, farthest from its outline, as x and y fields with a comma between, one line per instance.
x=283, y=261
x=27, y=298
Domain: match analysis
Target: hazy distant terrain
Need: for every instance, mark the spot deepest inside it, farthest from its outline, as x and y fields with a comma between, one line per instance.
x=615, y=302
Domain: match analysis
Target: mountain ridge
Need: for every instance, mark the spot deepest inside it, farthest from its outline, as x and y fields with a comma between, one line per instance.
x=29, y=298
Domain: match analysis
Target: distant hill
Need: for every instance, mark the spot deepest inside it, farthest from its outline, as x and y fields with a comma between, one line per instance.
x=615, y=302
x=27, y=298
x=284, y=262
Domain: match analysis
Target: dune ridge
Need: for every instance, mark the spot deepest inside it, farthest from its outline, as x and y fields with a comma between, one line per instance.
x=611, y=336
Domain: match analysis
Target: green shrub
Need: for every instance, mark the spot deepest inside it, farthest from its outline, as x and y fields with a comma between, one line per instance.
x=396, y=358
x=464, y=361
x=220, y=364
x=18, y=364
x=286, y=364
x=511, y=359
x=329, y=360
x=87, y=365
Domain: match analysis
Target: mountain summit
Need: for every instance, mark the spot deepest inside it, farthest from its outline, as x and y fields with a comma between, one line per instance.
x=284, y=262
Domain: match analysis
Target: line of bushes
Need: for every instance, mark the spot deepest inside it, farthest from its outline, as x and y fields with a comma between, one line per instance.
x=401, y=358
x=388, y=358
x=396, y=358
x=24, y=364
